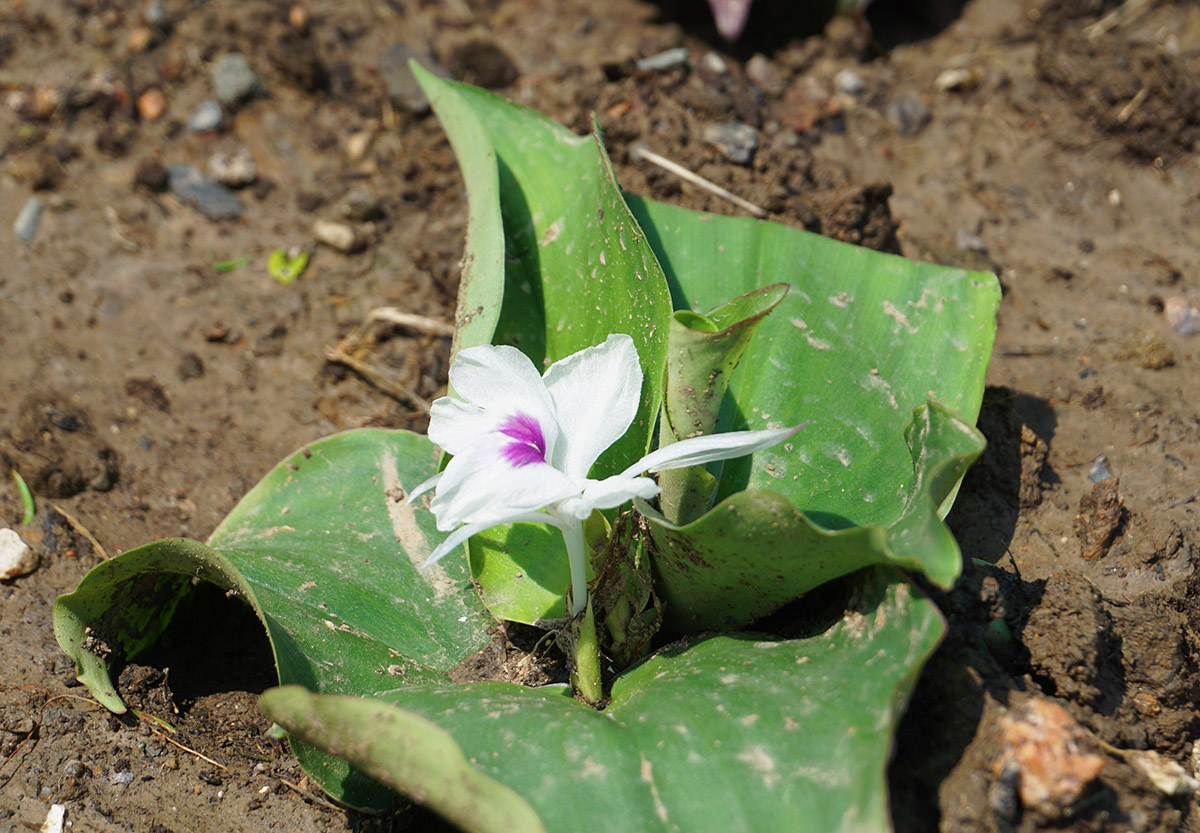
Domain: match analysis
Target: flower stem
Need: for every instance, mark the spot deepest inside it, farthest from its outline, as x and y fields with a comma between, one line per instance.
x=587, y=646
x=587, y=660
x=572, y=532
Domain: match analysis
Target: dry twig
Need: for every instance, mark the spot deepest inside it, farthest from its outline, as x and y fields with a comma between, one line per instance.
x=83, y=530
x=340, y=355
x=640, y=151
x=416, y=323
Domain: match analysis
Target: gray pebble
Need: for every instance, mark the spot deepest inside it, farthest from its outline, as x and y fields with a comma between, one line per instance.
x=213, y=200
x=663, y=60
x=207, y=116
x=26, y=224
x=1099, y=472
x=155, y=14
x=737, y=141
x=234, y=81
x=908, y=113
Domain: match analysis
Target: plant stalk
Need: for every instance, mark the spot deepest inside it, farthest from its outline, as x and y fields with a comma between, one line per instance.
x=572, y=532
x=587, y=660
x=587, y=645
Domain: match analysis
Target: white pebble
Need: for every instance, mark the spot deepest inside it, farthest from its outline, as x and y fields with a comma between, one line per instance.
x=335, y=235
x=54, y=819
x=16, y=558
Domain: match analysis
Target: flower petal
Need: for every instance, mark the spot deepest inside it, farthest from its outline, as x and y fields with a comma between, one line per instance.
x=423, y=487
x=710, y=447
x=607, y=494
x=481, y=486
x=458, y=536
x=490, y=384
x=596, y=393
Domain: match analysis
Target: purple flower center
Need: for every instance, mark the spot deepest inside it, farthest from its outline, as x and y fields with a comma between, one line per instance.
x=530, y=445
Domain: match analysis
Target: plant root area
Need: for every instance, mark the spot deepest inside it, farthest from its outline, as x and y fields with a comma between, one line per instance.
x=154, y=370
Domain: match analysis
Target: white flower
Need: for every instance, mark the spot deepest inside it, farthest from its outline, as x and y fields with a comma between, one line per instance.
x=523, y=444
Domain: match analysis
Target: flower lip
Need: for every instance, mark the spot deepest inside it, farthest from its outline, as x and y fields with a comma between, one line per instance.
x=530, y=445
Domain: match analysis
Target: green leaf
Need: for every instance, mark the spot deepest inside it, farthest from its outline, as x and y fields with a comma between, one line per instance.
x=230, y=265
x=576, y=268
x=400, y=747
x=733, y=733
x=861, y=340
x=285, y=268
x=703, y=352
x=326, y=552
x=756, y=551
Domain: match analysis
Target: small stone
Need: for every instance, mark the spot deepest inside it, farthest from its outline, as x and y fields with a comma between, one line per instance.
x=140, y=38
x=736, y=141
x=713, y=62
x=1149, y=351
x=213, y=200
x=16, y=558
x=968, y=242
x=152, y=104
x=236, y=170
x=1166, y=775
x=207, y=116
x=155, y=14
x=27, y=221
x=234, y=82
x=1182, y=316
x=190, y=367
x=908, y=113
x=766, y=75
x=1099, y=471
x=805, y=104
x=337, y=236
x=361, y=204
x=958, y=80
x=484, y=64
x=848, y=82
x=298, y=16
x=357, y=144
x=1044, y=751
x=152, y=176
x=672, y=58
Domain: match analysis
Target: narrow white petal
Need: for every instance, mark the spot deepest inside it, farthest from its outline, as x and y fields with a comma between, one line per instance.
x=423, y=487
x=699, y=450
x=481, y=486
x=608, y=494
x=596, y=393
x=458, y=536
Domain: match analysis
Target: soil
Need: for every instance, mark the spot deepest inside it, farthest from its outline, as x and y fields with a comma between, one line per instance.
x=1052, y=141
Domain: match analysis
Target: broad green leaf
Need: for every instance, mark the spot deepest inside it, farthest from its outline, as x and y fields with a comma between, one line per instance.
x=756, y=551
x=861, y=340
x=326, y=552
x=576, y=268
x=703, y=351
x=733, y=733
x=401, y=747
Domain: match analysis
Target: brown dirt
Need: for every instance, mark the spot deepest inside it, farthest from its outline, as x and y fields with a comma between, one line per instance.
x=147, y=391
